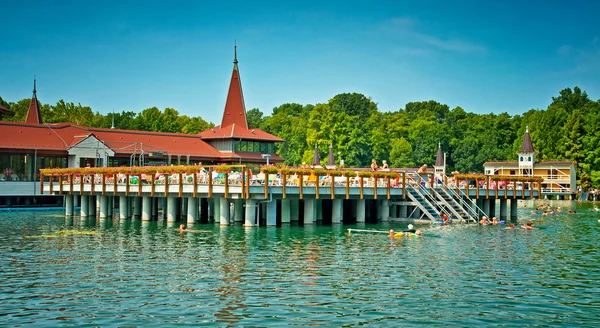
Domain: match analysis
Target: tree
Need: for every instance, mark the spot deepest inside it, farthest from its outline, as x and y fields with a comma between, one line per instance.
x=254, y=118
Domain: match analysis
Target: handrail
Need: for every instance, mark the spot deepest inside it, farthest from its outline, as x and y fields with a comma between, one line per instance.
x=473, y=208
x=452, y=208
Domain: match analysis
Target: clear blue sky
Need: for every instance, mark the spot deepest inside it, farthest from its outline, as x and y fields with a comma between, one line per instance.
x=485, y=56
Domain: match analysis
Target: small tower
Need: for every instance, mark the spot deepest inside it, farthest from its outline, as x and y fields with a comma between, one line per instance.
x=33, y=114
x=526, y=155
x=440, y=162
x=330, y=159
x=316, y=162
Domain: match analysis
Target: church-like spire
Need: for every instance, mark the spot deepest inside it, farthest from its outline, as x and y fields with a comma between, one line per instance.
x=33, y=114
x=439, y=160
x=330, y=157
x=316, y=162
x=235, y=109
x=527, y=146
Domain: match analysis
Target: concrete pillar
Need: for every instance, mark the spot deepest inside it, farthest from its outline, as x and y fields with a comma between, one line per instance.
x=92, y=206
x=394, y=211
x=286, y=211
x=403, y=212
x=224, y=211
x=294, y=209
x=171, y=209
x=75, y=200
x=319, y=210
x=111, y=206
x=486, y=208
x=384, y=210
x=360, y=210
x=215, y=204
x=137, y=207
x=250, y=220
x=123, y=207
x=69, y=205
x=337, y=210
x=84, y=206
x=147, y=208
x=310, y=208
x=192, y=210
x=238, y=210
x=503, y=209
x=272, y=212
x=103, y=206
x=155, y=202
x=513, y=210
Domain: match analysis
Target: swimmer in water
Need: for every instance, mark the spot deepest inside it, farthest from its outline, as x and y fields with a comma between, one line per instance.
x=182, y=228
x=529, y=226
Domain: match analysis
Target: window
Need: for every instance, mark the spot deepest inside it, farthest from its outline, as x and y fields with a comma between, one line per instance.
x=521, y=158
x=512, y=172
x=529, y=158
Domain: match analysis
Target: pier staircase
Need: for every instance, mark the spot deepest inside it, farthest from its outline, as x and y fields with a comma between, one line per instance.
x=438, y=199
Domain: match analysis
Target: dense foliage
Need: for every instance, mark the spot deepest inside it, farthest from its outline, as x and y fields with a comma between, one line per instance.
x=568, y=129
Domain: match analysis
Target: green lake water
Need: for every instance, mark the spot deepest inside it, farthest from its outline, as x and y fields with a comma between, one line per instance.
x=147, y=274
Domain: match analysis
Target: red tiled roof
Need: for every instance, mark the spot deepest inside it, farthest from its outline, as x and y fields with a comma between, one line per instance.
x=4, y=109
x=235, y=109
x=65, y=135
x=238, y=132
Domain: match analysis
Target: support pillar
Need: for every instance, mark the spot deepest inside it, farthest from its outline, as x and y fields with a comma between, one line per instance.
x=238, y=210
x=224, y=211
x=394, y=211
x=403, y=211
x=493, y=207
x=171, y=209
x=137, y=207
x=503, y=209
x=384, y=210
x=75, y=200
x=111, y=205
x=154, y=215
x=192, y=210
x=319, y=210
x=92, y=206
x=486, y=208
x=204, y=215
x=310, y=209
x=360, y=210
x=337, y=210
x=286, y=210
x=250, y=220
x=123, y=206
x=513, y=210
x=147, y=208
x=103, y=200
x=271, y=212
x=85, y=199
x=294, y=209
x=69, y=205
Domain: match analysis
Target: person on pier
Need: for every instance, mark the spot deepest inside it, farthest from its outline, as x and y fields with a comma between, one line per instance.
x=374, y=165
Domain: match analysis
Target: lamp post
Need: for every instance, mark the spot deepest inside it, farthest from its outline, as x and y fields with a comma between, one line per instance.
x=267, y=156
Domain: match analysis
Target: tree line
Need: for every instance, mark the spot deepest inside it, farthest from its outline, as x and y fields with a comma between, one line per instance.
x=568, y=129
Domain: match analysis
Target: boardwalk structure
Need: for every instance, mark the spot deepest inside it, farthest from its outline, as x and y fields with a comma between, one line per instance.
x=235, y=196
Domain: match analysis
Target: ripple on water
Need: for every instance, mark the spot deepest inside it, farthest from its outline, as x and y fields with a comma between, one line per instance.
x=147, y=274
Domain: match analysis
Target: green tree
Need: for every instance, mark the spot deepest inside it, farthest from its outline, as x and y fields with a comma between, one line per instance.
x=254, y=118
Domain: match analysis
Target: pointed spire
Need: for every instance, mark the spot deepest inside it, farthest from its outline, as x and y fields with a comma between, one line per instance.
x=33, y=114
x=330, y=158
x=316, y=162
x=235, y=52
x=527, y=146
x=439, y=159
x=235, y=109
x=113, y=120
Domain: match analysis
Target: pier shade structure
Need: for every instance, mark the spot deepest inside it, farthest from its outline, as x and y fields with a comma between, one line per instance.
x=227, y=194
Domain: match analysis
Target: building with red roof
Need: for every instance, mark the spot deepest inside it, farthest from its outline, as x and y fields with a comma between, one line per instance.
x=32, y=145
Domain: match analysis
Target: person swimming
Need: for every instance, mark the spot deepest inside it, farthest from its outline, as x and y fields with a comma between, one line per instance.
x=182, y=228
x=410, y=228
x=484, y=221
x=528, y=226
x=511, y=226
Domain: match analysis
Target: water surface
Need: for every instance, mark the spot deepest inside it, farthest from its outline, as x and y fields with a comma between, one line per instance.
x=136, y=273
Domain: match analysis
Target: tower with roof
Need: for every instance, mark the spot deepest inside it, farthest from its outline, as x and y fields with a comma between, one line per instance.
x=526, y=155
x=238, y=142
x=440, y=162
x=33, y=114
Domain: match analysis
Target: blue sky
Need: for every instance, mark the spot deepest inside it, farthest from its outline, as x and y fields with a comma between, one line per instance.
x=485, y=56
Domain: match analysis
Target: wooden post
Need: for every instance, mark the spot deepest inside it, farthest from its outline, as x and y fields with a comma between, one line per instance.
x=41, y=184
x=195, y=181
x=93, y=185
x=467, y=188
x=166, y=192
x=81, y=184
x=497, y=189
x=71, y=177
x=127, y=184
x=152, y=185
x=375, y=187
x=103, y=184
x=487, y=187
x=226, y=185
x=246, y=183
x=317, y=187
x=477, y=188
x=445, y=182
x=243, y=194
x=539, y=190
x=361, y=179
x=457, y=184
x=347, y=187
x=388, y=188
x=403, y=185
x=180, y=184
x=301, y=178
x=60, y=187
x=284, y=182
x=514, y=189
x=523, y=190
x=266, y=185
x=332, y=187
x=51, y=182
x=210, y=182
x=505, y=189
x=115, y=184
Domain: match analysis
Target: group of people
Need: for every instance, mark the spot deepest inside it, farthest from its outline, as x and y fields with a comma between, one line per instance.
x=375, y=167
x=409, y=231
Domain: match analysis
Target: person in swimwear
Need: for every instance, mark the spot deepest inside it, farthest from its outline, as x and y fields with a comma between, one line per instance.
x=511, y=226
x=529, y=226
x=182, y=228
x=410, y=229
x=484, y=221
